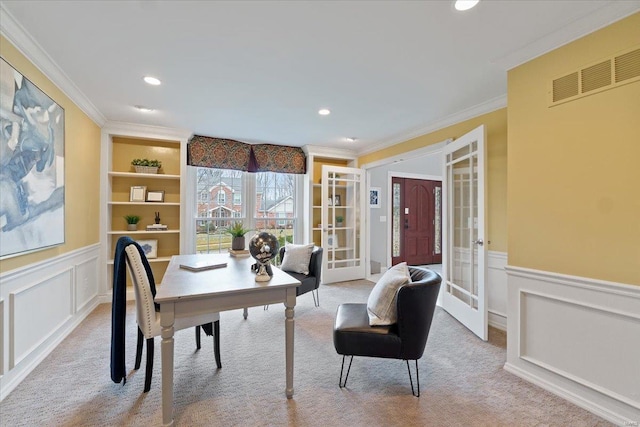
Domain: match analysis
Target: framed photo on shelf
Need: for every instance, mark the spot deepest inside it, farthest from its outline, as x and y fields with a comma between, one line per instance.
x=138, y=193
x=150, y=247
x=336, y=200
x=332, y=240
x=155, y=196
x=374, y=197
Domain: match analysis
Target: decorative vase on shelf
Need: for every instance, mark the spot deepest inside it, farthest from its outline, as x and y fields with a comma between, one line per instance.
x=263, y=247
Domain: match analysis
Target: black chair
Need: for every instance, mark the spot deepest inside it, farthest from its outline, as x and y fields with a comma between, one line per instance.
x=311, y=281
x=406, y=339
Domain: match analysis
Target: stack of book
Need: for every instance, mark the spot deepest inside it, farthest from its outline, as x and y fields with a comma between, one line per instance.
x=157, y=227
x=239, y=252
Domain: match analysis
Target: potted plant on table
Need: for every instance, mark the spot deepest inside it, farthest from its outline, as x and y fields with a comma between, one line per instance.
x=132, y=222
x=146, y=165
x=237, y=231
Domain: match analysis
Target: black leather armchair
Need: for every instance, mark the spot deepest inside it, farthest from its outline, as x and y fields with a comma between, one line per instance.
x=311, y=281
x=406, y=339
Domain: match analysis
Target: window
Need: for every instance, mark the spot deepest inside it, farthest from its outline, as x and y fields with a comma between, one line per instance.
x=275, y=204
x=212, y=214
x=270, y=206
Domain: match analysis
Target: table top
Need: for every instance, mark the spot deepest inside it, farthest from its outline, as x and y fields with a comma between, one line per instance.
x=237, y=277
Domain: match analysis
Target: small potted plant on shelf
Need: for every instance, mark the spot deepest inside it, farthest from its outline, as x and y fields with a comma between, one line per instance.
x=132, y=222
x=146, y=165
x=237, y=230
x=339, y=220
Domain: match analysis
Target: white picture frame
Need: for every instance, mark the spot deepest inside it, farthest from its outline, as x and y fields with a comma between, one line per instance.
x=374, y=197
x=155, y=196
x=149, y=247
x=332, y=241
x=138, y=193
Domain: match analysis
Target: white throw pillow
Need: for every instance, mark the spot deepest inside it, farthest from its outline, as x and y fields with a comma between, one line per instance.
x=381, y=305
x=296, y=258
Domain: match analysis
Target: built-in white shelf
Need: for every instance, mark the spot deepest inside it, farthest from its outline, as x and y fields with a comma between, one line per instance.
x=151, y=260
x=143, y=175
x=127, y=232
x=146, y=203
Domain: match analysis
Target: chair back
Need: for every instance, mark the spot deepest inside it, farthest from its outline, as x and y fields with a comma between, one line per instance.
x=145, y=308
x=315, y=262
x=416, y=305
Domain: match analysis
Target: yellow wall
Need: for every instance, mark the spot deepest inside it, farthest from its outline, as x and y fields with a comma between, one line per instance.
x=496, y=125
x=574, y=173
x=82, y=166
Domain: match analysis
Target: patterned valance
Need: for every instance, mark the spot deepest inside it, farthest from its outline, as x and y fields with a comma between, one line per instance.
x=279, y=158
x=218, y=153
x=222, y=153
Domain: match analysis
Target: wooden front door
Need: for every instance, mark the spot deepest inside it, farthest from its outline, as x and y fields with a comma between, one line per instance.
x=417, y=227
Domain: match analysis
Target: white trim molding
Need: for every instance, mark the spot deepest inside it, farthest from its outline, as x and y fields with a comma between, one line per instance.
x=45, y=301
x=578, y=338
x=18, y=36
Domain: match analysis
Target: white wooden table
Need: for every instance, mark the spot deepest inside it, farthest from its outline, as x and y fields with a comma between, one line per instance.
x=185, y=293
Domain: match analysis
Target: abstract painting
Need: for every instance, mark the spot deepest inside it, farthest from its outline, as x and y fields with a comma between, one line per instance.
x=31, y=166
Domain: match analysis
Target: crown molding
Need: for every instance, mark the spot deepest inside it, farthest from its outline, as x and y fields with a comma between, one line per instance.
x=580, y=27
x=325, y=151
x=11, y=29
x=145, y=131
x=469, y=113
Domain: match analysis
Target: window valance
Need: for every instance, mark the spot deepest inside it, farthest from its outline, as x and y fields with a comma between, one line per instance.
x=218, y=153
x=222, y=153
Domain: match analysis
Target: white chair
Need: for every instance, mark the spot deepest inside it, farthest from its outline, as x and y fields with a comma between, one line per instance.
x=148, y=318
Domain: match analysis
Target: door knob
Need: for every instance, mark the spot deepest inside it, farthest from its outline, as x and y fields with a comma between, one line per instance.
x=478, y=242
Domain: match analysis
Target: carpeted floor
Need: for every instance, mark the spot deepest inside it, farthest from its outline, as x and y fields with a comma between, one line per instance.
x=461, y=377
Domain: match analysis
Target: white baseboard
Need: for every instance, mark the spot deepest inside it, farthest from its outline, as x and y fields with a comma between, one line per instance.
x=577, y=338
x=57, y=295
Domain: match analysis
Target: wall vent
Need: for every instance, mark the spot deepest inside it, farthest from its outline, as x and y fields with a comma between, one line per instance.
x=627, y=66
x=605, y=74
x=566, y=87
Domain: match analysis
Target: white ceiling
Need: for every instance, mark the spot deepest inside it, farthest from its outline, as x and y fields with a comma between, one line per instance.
x=259, y=71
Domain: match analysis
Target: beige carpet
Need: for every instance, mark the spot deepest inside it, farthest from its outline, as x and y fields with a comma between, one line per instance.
x=462, y=380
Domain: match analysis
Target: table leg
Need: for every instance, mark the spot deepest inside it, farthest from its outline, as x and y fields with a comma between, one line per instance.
x=166, y=321
x=289, y=330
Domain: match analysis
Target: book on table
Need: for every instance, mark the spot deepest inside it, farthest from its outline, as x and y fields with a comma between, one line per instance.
x=201, y=265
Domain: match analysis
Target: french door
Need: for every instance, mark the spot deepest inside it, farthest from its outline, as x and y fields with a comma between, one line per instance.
x=342, y=213
x=464, y=251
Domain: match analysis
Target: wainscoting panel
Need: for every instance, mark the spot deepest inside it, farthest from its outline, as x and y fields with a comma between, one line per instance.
x=86, y=283
x=40, y=304
x=31, y=320
x=578, y=338
x=497, y=289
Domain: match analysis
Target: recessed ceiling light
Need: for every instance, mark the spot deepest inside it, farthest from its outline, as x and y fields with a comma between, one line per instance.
x=324, y=112
x=144, y=109
x=351, y=139
x=463, y=5
x=152, y=81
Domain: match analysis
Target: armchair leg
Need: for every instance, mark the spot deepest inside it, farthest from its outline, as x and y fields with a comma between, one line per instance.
x=216, y=343
x=417, y=379
x=245, y=313
x=149, y=370
x=340, y=383
x=198, y=337
x=316, y=297
x=139, y=350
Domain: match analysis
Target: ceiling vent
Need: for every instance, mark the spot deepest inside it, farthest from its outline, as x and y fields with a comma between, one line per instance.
x=603, y=75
